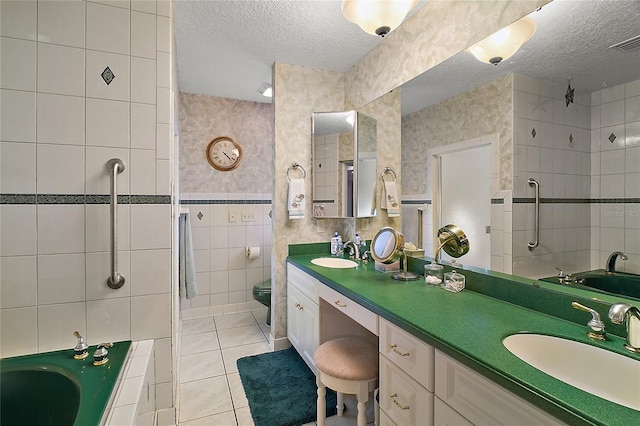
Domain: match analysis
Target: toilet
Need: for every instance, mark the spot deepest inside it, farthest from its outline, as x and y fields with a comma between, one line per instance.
x=262, y=293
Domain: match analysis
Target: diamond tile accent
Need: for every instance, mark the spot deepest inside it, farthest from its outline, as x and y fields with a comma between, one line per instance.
x=570, y=138
x=533, y=133
x=108, y=75
x=612, y=137
x=200, y=215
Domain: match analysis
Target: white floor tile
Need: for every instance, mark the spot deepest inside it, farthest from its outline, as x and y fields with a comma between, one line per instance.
x=231, y=355
x=244, y=417
x=198, y=325
x=201, y=366
x=201, y=342
x=204, y=398
x=228, y=418
x=237, y=391
x=240, y=336
x=240, y=319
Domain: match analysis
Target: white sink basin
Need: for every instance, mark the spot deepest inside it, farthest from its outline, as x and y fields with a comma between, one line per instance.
x=334, y=262
x=600, y=372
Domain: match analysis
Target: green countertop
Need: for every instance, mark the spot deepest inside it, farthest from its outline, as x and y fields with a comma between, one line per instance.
x=469, y=327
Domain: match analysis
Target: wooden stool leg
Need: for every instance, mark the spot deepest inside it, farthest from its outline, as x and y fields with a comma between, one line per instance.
x=363, y=397
x=340, y=403
x=321, y=404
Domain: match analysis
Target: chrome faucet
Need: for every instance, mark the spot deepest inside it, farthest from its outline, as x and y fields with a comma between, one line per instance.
x=630, y=315
x=354, y=251
x=596, y=325
x=610, y=267
x=101, y=353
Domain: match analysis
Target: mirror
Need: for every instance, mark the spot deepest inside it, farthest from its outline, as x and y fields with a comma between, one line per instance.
x=388, y=247
x=588, y=207
x=344, y=164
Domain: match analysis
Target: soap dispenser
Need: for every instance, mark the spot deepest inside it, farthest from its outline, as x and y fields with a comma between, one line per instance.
x=81, y=350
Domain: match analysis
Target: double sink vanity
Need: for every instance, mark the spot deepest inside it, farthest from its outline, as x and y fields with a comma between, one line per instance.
x=475, y=357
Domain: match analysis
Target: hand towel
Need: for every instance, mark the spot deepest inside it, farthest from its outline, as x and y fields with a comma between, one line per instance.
x=390, y=201
x=295, y=202
x=187, y=267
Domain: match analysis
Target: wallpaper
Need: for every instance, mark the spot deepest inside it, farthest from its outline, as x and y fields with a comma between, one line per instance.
x=203, y=118
x=484, y=110
x=298, y=92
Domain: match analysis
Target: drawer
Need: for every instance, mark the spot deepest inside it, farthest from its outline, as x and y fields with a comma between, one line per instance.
x=412, y=355
x=481, y=401
x=307, y=284
x=359, y=314
x=402, y=398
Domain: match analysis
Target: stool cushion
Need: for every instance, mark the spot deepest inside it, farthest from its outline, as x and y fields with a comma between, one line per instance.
x=348, y=358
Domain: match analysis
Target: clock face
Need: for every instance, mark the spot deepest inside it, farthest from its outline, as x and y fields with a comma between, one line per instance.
x=223, y=153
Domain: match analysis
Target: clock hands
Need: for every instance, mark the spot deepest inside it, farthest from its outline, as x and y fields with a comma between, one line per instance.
x=225, y=154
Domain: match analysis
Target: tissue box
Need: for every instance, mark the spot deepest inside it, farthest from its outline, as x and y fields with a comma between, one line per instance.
x=388, y=267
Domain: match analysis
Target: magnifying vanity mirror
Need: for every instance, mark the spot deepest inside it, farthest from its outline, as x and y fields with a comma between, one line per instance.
x=453, y=241
x=344, y=164
x=388, y=247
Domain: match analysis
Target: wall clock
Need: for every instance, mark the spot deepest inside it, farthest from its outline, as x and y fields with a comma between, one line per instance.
x=224, y=153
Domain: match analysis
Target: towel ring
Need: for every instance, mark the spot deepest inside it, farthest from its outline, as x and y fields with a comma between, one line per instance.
x=388, y=170
x=295, y=166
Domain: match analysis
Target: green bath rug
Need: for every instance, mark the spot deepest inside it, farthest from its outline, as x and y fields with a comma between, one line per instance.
x=281, y=389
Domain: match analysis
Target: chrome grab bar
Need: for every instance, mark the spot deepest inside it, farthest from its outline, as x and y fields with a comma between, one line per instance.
x=115, y=280
x=535, y=243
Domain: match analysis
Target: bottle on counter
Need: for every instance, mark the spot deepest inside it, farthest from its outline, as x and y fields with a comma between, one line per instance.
x=335, y=240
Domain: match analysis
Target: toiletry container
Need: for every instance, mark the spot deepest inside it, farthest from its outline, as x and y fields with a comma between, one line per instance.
x=433, y=274
x=335, y=240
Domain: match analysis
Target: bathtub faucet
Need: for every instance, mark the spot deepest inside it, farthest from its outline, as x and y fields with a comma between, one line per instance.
x=610, y=267
x=100, y=355
x=620, y=313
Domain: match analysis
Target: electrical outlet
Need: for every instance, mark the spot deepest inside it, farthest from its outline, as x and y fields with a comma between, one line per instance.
x=248, y=216
x=233, y=217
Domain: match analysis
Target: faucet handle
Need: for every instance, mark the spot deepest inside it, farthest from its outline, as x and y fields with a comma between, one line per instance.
x=81, y=350
x=596, y=325
x=100, y=355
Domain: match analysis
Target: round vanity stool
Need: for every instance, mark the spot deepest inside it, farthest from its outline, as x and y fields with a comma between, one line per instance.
x=346, y=365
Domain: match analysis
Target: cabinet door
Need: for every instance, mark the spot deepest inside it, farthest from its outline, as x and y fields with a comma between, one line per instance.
x=302, y=324
x=402, y=398
x=480, y=400
x=443, y=415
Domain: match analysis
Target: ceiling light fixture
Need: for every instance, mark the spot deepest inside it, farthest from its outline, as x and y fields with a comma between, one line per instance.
x=377, y=17
x=501, y=45
x=266, y=90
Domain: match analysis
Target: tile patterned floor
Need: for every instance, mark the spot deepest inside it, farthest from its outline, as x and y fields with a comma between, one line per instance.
x=210, y=391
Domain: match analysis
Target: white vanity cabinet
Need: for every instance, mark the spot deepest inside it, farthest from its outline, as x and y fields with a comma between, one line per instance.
x=406, y=377
x=464, y=397
x=303, y=313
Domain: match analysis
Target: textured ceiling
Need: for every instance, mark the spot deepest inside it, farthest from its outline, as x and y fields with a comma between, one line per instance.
x=227, y=48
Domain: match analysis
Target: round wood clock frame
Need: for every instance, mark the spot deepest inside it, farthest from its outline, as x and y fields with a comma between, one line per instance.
x=224, y=153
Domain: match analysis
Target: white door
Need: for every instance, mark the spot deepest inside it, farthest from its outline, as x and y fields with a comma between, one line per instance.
x=464, y=193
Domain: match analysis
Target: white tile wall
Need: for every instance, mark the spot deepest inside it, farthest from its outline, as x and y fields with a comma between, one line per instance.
x=615, y=173
x=17, y=168
x=220, y=251
x=61, y=23
x=54, y=257
x=18, y=64
x=18, y=121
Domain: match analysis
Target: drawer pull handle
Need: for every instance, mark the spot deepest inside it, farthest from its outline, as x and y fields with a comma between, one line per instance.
x=393, y=348
x=395, y=401
x=299, y=306
x=340, y=304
